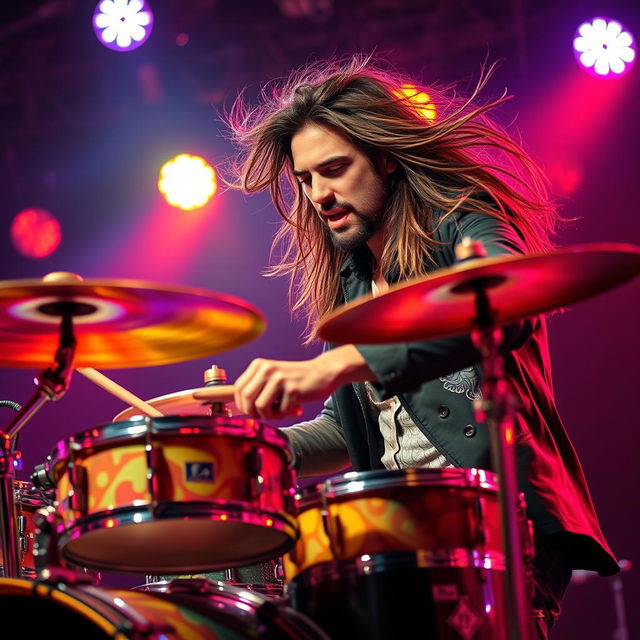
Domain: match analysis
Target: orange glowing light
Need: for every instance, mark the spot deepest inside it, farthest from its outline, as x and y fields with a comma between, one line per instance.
x=187, y=182
x=224, y=516
x=35, y=233
x=269, y=522
x=110, y=524
x=418, y=99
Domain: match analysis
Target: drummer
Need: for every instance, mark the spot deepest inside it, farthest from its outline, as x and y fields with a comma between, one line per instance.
x=379, y=194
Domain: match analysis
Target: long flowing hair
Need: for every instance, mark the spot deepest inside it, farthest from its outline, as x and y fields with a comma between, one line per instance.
x=459, y=162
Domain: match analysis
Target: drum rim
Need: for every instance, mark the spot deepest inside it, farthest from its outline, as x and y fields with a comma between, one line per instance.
x=205, y=587
x=131, y=431
x=359, y=482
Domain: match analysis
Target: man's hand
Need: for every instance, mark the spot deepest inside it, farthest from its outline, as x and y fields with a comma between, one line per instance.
x=273, y=389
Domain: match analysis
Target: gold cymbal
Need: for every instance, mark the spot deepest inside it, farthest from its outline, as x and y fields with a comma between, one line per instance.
x=518, y=286
x=188, y=402
x=119, y=323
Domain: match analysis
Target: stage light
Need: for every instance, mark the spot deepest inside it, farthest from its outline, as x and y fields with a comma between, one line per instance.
x=419, y=99
x=122, y=25
x=187, y=182
x=603, y=47
x=35, y=233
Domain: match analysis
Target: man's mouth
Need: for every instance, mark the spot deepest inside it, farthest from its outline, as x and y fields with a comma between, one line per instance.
x=336, y=217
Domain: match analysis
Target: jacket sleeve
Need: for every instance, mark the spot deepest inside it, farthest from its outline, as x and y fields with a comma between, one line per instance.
x=405, y=366
x=318, y=445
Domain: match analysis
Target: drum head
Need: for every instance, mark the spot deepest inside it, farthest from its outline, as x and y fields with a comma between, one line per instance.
x=178, y=546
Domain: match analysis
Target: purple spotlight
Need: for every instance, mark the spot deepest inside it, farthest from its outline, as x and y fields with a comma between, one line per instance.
x=603, y=47
x=122, y=25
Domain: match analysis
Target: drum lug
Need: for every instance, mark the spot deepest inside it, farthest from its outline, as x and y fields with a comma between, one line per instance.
x=255, y=464
x=78, y=494
x=151, y=457
x=479, y=522
x=333, y=529
x=288, y=480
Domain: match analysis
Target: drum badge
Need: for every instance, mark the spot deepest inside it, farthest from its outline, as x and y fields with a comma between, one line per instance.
x=463, y=619
x=198, y=471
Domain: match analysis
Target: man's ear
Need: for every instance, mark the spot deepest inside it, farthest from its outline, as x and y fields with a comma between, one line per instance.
x=387, y=165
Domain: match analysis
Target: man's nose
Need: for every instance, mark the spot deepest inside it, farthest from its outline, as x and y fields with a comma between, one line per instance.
x=321, y=192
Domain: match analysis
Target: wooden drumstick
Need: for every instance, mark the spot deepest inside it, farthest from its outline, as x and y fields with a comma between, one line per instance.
x=119, y=392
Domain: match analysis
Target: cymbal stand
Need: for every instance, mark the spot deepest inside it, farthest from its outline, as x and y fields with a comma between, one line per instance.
x=496, y=408
x=51, y=384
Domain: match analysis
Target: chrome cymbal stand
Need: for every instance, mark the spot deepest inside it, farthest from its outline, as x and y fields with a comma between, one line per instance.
x=496, y=408
x=51, y=384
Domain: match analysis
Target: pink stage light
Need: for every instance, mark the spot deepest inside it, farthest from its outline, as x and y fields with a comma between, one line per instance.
x=35, y=233
x=604, y=48
x=122, y=25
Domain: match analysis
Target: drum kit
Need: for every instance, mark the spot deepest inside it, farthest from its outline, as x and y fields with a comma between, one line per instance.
x=204, y=502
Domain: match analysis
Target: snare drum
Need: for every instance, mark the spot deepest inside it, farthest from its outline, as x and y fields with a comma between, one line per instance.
x=180, y=610
x=390, y=554
x=175, y=494
x=27, y=500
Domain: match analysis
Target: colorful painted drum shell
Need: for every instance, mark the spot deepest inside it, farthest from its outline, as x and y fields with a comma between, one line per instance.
x=219, y=612
x=381, y=512
x=212, y=476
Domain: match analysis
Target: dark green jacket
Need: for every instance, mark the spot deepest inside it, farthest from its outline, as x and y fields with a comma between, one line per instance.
x=436, y=381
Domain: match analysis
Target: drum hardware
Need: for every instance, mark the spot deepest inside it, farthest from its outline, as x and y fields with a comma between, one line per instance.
x=255, y=465
x=333, y=529
x=51, y=384
x=215, y=376
x=479, y=295
x=152, y=460
x=50, y=568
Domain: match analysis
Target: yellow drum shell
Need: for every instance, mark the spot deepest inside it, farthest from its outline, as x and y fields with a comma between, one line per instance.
x=423, y=510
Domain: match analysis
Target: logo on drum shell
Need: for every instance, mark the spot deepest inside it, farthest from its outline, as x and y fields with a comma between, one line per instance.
x=198, y=471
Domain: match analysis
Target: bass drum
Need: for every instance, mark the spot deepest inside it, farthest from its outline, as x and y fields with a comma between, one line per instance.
x=177, y=610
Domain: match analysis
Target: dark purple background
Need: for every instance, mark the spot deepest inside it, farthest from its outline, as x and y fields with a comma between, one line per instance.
x=97, y=175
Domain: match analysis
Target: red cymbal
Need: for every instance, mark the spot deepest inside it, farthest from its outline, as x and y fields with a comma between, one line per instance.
x=518, y=286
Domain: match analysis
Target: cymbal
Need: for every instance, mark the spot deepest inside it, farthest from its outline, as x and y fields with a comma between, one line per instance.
x=188, y=402
x=119, y=323
x=518, y=286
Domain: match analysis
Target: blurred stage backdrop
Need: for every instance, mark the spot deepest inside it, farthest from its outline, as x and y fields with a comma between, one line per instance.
x=85, y=129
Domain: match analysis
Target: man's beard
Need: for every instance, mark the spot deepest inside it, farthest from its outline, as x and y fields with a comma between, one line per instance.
x=363, y=228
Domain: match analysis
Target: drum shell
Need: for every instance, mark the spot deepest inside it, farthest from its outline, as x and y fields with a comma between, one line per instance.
x=164, y=477
x=405, y=511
